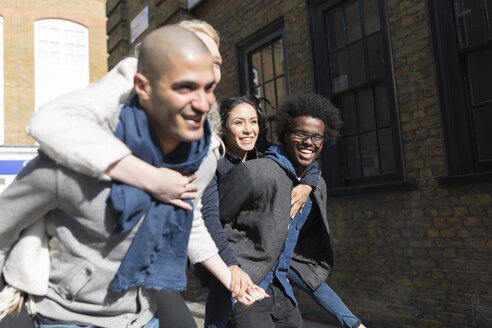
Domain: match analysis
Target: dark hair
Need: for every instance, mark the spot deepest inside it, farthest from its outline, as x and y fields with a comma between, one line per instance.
x=309, y=104
x=230, y=103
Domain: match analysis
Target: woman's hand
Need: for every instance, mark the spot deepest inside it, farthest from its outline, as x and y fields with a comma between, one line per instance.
x=169, y=186
x=240, y=281
x=253, y=294
x=298, y=198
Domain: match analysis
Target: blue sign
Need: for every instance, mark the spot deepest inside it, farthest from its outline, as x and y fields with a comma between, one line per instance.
x=12, y=167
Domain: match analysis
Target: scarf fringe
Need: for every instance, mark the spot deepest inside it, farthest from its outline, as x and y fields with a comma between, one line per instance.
x=11, y=300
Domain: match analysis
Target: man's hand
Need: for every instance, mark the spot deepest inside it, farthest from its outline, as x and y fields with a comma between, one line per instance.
x=253, y=294
x=240, y=281
x=170, y=186
x=298, y=198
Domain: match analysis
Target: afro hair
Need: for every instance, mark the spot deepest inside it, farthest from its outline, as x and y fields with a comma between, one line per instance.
x=309, y=104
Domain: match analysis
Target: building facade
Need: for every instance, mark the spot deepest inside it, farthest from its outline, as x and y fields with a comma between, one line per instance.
x=47, y=48
x=410, y=180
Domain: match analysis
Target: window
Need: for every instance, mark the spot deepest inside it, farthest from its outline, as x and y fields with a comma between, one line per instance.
x=2, y=119
x=462, y=35
x=61, y=56
x=352, y=66
x=263, y=71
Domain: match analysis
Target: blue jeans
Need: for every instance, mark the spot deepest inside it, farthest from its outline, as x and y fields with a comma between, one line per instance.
x=219, y=305
x=327, y=299
x=153, y=323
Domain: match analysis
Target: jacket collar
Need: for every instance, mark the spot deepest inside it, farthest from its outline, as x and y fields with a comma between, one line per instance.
x=235, y=159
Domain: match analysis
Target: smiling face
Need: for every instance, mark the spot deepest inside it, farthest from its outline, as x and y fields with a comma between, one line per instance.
x=180, y=100
x=303, y=152
x=241, y=130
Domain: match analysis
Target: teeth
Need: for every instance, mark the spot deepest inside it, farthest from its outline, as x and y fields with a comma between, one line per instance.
x=305, y=151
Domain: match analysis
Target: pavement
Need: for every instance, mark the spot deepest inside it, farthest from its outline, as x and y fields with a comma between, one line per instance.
x=198, y=311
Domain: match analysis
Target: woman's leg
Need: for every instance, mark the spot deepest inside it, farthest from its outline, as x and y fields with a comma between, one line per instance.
x=219, y=305
x=173, y=312
x=328, y=300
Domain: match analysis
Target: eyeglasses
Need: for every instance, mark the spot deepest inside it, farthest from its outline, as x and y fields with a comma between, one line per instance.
x=317, y=139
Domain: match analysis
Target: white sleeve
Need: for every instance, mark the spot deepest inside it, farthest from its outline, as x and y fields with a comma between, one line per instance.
x=201, y=246
x=70, y=128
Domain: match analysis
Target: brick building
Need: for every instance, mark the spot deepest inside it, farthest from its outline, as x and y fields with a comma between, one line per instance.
x=410, y=179
x=47, y=48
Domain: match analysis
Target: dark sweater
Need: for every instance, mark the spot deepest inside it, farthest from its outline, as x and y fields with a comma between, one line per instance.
x=255, y=205
x=210, y=200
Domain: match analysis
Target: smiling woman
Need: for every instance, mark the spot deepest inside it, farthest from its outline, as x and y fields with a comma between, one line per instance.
x=242, y=120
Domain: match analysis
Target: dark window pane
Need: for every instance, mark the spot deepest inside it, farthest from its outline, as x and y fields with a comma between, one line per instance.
x=483, y=118
x=352, y=157
x=270, y=94
x=266, y=57
x=489, y=10
x=347, y=104
x=386, y=149
x=357, y=70
x=382, y=106
x=278, y=57
x=480, y=69
x=352, y=22
x=369, y=153
x=339, y=71
x=334, y=28
x=375, y=56
x=272, y=137
x=371, y=16
x=365, y=109
x=256, y=63
x=281, y=91
x=471, y=27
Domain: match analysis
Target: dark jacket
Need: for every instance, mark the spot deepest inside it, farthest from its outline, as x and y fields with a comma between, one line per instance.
x=254, y=209
x=210, y=201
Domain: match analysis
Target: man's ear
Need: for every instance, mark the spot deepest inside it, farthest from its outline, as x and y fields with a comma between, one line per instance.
x=142, y=87
x=286, y=136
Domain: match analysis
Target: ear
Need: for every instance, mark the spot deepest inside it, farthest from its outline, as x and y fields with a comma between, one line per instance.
x=142, y=87
x=286, y=137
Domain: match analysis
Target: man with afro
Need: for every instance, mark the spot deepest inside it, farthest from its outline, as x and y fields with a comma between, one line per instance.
x=255, y=201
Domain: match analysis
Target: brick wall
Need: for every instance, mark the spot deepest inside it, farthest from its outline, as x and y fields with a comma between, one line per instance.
x=410, y=258
x=19, y=18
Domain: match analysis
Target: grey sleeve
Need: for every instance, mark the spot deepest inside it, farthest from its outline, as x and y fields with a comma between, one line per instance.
x=30, y=196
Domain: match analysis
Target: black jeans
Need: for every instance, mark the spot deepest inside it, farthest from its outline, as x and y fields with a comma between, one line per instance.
x=277, y=311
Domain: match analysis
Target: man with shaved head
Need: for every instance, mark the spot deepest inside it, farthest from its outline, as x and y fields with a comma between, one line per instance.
x=111, y=245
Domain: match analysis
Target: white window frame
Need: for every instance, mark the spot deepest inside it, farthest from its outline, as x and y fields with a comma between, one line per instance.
x=61, y=57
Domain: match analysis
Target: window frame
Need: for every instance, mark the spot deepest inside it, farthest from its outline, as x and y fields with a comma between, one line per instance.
x=265, y=36
x=458, y=135
x=62, y=59
x=333, y=170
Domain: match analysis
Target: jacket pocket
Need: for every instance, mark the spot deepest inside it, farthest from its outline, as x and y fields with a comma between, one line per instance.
x=81, y=276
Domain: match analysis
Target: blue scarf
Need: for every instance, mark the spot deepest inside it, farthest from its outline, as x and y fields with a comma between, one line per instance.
x=157, y=255
x=277, y=153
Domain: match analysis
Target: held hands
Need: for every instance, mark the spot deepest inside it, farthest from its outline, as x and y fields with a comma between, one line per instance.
x=243, y=288
x=170, y=186
x=253, y=294
x=240, y=281
x=298, y=198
